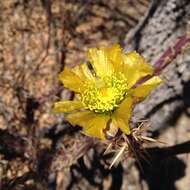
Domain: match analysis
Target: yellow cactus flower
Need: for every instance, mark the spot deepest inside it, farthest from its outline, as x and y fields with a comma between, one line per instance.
x=104, y=90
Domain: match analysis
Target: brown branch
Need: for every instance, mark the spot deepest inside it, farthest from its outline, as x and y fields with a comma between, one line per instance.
x=171, y=53
x=43, y=98
x=167, y=57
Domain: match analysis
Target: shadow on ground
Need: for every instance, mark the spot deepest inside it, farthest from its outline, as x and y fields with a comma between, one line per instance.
x=161, y=174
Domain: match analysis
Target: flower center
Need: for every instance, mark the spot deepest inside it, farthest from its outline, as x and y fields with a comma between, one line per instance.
x=105, y=94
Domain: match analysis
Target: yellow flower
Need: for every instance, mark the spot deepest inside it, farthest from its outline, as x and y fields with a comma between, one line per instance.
x=104, y=90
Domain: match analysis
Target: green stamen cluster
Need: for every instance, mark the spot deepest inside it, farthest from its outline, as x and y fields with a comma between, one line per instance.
x=105, y=94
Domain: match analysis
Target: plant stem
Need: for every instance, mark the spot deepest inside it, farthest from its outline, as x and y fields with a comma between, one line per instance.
x=167, y=57
x=171, y=53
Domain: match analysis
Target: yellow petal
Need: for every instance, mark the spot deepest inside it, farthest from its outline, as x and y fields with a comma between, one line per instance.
x=79, y=118
x=93, y=124
x=96, y=126
x=77, y=70
x=100, y=62
x=83, y=72
x=144, y=89
x=135, y=67
x=67, y=106
x=114, y=55
x=122, y=124
x=122, y=115
x=71, y=80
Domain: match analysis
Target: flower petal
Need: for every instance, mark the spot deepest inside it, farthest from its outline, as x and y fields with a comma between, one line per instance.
x=79, y=118
x=144, y=89
x=93, y=124
x=122, y=115
x=100, y=63
x=71, y=80
x=122, y=124
x=83, y=72
x=67, y=106
x=135, y=67
x=96, y=126
x=114, y=55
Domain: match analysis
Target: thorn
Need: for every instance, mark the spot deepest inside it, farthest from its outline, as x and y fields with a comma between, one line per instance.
x=117, y=157
x=152, y=140
x=107, y=149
